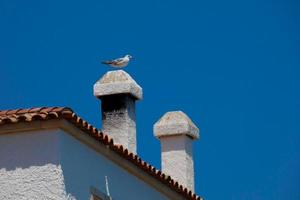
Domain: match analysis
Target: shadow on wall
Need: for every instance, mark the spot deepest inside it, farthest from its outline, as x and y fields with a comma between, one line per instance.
x=26, y=149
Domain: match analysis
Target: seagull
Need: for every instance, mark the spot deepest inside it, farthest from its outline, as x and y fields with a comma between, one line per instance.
x=119, y=62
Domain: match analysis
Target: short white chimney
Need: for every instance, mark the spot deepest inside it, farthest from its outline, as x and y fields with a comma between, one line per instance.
x=176, y=132
x=118, y=93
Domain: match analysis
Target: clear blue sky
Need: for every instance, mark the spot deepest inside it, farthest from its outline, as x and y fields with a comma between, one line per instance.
x=232, y=66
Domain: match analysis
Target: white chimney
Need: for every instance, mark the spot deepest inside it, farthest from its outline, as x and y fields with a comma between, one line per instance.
x=176, y=132
x=118, y=93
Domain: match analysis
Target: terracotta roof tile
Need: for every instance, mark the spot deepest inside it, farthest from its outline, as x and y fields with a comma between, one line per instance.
x=10, y=112
x=47, y=113
x=22, y=111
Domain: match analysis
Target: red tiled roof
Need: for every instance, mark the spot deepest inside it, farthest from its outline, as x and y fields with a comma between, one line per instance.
x=48, y=113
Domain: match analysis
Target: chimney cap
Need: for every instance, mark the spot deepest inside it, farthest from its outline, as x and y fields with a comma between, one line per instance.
x=175, y=123
x=117, y=82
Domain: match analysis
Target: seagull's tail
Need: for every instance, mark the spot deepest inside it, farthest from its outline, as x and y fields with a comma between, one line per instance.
x=106, y=62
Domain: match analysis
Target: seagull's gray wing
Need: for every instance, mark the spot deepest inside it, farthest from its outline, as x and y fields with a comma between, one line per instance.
x=108, y=62
x=117, y=60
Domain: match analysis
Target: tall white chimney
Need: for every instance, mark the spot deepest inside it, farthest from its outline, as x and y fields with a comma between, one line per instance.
x=176, y=133
x=118, y=93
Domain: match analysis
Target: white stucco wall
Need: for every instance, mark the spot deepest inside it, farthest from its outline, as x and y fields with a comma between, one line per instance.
x=29, y=167
x=54, y=165
x=83, y=167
